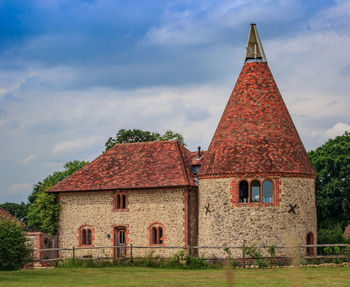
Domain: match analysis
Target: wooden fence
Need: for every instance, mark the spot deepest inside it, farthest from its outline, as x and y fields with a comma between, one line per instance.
x=304, y=252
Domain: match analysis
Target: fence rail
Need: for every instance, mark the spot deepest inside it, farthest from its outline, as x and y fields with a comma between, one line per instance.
x=306, y=252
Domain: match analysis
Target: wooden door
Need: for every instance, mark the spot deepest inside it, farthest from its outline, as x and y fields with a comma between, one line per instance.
x=119, y=241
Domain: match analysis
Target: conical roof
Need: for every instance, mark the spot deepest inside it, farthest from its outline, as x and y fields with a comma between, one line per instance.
x=256, y=134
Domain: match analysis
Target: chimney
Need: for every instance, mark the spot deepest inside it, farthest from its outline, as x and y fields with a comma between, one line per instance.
x=199, y=153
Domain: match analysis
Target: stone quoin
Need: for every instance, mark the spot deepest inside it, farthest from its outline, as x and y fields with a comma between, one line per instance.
x=255, y=184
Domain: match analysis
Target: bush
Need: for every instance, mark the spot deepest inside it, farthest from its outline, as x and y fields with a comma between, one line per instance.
x=331, y=235
x=14, y=252
x=261, y=263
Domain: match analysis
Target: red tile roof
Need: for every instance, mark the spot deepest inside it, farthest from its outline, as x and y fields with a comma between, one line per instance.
x=133, y=166
x=256, y=133
x=5, y=214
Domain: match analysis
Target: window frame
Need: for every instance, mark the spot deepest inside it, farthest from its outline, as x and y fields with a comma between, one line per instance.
x=154, y=230
x=236, y=192
x=120, y=201
x=86, y=235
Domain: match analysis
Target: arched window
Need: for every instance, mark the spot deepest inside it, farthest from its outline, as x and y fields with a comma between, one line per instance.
x=156, y=234
x=255, y=191
x=120, y=200
x=310, y=241
x=85, y=235
x=267, y=191
x=243, y=191
x=124, y=201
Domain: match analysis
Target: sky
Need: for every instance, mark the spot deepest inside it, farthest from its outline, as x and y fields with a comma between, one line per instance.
x=74, y=72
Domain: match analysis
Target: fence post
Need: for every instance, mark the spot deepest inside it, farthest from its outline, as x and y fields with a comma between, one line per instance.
x=243, y=255
x=131, y=252
x=73, y=253
x=299, y=252
x=189, y=250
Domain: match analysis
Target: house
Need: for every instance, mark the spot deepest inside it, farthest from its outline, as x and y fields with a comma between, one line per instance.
x=254, y=184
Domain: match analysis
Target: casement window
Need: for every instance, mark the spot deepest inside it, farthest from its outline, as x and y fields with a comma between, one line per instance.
x=156, y=234
x=255, y=191
x=243, y=191
x=120, y=201
x=86, y=235
x=267, y=192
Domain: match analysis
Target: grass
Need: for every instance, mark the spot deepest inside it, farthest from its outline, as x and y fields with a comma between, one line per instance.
x=139, y=276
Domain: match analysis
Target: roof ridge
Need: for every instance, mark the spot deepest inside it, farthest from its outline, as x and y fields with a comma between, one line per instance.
x=183, y=162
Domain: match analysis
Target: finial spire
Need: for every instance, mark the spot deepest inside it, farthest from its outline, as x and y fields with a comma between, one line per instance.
x=255, y=51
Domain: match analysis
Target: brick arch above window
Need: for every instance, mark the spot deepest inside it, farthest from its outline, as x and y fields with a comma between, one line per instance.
x=256, y=185
x=156, y=234
x=86, y=235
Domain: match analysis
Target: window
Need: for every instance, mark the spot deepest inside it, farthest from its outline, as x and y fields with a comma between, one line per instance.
x=243, y=191
x=120, y=201
x=85, y=235
x=156, y=234
x=255, y=191
x=267, y=191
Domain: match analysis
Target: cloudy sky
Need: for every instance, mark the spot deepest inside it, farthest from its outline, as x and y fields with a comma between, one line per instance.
x=74, y=72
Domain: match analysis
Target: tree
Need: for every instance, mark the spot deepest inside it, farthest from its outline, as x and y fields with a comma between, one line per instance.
x=44, y=209
x=332, y=164
x=14, y=252
x=19, y=210
x=135, y=135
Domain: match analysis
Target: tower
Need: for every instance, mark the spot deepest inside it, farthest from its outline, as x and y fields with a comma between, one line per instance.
x=256, y=182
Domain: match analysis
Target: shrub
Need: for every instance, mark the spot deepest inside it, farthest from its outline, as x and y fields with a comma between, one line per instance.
x=261, y=263
x=14, y=251
x=331, y=235
x=253, y=252
x=197, y=263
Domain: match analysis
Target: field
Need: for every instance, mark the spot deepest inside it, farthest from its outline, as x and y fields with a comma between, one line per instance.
x=137, y=276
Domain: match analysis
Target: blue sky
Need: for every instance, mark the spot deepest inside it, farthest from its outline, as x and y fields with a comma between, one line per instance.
x=72, y=73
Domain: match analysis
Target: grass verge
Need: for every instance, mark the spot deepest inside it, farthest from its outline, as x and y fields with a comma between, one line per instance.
x=139, y=276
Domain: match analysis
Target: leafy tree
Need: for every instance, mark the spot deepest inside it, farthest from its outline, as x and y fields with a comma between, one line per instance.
x=135, y=135
x=44, y=208
x=19, y=210
x=14, y=252
x=332, y=164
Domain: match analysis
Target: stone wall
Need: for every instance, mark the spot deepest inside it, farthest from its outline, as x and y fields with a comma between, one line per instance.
x=144, y=207
x=232, y=224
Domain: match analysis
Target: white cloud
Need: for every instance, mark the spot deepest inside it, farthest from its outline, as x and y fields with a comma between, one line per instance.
x=73, y=145
x=337, y=130
x=28, y=159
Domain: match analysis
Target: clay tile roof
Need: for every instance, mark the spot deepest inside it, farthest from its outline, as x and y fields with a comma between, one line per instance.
x=5, y=214
x=133, y=166
x=256, y=133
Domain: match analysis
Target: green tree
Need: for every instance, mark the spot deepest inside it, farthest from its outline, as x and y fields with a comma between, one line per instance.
x=135, y=135
x=332, y=164
x=44, y=209
x=14, y=252
x=19, y=210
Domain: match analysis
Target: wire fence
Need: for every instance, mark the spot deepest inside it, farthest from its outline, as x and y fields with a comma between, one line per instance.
x=244, y=255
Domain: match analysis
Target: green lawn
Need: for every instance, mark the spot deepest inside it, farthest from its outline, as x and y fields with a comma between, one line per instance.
x=137, y=276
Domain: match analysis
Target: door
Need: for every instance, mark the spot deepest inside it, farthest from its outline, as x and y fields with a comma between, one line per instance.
x=119, y=241
x=310, y=241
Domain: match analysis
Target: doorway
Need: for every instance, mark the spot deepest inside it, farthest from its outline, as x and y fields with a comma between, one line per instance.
x=120, y=241
x=310, y=251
